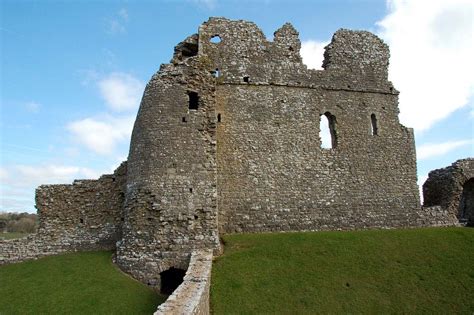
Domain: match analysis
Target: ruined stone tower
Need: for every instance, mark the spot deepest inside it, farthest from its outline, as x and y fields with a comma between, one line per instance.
x=227, y=139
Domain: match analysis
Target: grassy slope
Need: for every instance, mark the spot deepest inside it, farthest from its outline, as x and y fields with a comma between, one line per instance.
x=379, y=271
x=79, y=283
x=12, y=235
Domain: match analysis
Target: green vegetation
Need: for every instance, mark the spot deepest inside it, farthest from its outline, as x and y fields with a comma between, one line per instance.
x=12, y=235
x=79, y=283
x=412, y=271
x=18, y=222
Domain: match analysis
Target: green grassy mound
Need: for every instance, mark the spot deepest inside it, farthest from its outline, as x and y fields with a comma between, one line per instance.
x=79, y=283
x=412, y=271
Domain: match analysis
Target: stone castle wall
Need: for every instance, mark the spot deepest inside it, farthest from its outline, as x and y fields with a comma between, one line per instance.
x=451, y=190
x=86, y=215
x=227, y=138
x=171, y=202
x=273, y=174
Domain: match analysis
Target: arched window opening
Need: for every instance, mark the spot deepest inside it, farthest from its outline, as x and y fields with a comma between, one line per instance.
x=171, y=279
x=374, y=128
x=327, y=131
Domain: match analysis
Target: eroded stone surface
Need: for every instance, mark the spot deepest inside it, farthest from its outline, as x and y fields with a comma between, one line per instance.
x=451, y=190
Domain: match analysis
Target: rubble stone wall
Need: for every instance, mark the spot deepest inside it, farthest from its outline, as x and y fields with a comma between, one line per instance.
x=86, y=215
x=451, y=189
x=171, y=201
x=273, y=174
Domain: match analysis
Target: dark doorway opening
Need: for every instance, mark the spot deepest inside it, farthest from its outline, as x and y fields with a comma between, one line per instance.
x=466, y=204
x=171, y=279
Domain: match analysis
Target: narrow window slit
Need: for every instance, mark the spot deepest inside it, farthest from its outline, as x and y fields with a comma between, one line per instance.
x=374, y=127
x=183, y=119
x=218, y=117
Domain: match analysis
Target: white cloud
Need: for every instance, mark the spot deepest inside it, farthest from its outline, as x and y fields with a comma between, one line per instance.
x=429, y=150
x=32, y=107
x=3, y=174
x=121, y=91
x=431, y=45
x=123, y=13
x=102, y=135
x=312, y=53
x=116, y=25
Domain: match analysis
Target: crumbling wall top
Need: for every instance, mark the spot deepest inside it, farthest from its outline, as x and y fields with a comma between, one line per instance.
x=357, y=52
x=240, y=53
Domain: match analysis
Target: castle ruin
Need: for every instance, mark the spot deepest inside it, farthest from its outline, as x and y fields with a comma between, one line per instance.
x=227, y=140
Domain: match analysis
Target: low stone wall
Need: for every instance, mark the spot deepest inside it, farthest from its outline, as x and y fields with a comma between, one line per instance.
x=192, y=296
x=86, y=215
x=436, y=216
x=36, y=246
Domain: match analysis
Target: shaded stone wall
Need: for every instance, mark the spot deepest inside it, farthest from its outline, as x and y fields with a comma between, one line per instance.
x=86, y=215
x=171, y=206
x=450, y=190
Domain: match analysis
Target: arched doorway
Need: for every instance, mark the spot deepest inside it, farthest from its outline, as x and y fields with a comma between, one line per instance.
x=466, y=204
x=171, y=279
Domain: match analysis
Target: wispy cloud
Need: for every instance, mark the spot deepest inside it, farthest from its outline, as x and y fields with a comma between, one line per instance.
x=430, y=150
x=207, y=4
x=431, y=45
x=102, y=135
x=116, y=24
x=123, y=13
x=121, y=91
x=312, y=52
x=33, y=107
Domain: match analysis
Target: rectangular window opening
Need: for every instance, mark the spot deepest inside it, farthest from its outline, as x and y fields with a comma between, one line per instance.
x=193, y=100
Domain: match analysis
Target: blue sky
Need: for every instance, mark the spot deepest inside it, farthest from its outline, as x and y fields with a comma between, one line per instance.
x=73, y=72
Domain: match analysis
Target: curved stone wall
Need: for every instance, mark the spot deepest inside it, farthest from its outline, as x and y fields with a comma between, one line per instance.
x=445, y=189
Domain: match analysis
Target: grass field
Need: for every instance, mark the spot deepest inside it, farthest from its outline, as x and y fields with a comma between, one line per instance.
x=79, y=283
x=12, y=235
x=415, y=271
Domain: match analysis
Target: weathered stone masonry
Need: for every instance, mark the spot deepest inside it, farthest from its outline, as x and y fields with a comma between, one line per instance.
x=86, y=215
x=450, y=190
x=227, y=140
